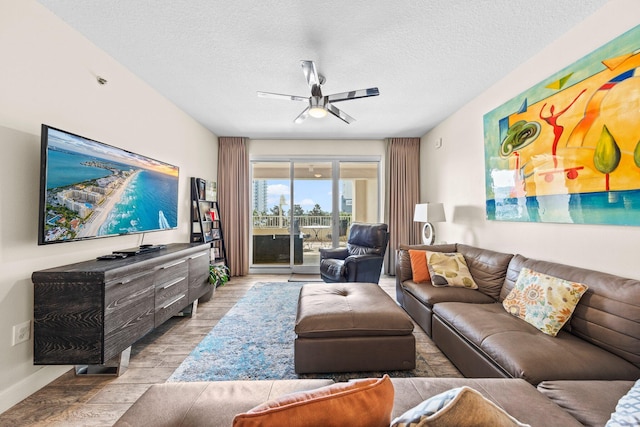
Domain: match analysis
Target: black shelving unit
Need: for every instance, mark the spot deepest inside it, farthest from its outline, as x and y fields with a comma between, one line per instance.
x=206, y=226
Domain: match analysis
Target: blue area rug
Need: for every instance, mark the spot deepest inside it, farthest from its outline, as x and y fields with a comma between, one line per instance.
x=254, y=341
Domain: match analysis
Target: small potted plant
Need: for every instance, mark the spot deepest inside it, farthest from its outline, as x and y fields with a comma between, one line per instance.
x=218, y=274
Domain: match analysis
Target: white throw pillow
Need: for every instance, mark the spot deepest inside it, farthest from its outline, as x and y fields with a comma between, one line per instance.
x=460, y=407
x=627, y=412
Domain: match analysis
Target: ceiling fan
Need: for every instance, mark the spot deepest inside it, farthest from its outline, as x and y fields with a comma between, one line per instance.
x=319, y=105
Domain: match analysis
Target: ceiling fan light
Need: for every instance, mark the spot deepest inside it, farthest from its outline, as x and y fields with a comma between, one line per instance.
x=317, y=112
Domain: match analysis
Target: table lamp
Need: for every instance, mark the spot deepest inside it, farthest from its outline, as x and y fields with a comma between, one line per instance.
x=428, y=213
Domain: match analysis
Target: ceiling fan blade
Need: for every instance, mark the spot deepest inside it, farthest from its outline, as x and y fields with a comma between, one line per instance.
x=310, y=73
x=340, y=114
x=281, y=96
x=354, y=94
x=302, y=116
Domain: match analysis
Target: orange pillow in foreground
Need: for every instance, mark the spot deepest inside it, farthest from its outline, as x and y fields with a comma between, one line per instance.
x=365, y=402
x=419, y=266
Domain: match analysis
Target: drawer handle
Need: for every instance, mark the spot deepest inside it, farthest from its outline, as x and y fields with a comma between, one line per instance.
x=170, y=284
x=164, y=267
x=173, y=302
x=126, y=281
x=198, y=256
x=130, y=279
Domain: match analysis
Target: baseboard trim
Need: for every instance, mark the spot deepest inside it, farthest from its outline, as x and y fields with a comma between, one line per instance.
x=29, y=385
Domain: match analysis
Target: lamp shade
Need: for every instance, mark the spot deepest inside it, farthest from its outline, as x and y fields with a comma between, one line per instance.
x=429, y=212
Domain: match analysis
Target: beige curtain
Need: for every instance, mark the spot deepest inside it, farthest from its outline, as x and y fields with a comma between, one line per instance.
x=233, y=200
x=403, y=192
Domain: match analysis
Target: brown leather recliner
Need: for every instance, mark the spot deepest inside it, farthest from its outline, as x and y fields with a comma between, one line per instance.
x=361, y=260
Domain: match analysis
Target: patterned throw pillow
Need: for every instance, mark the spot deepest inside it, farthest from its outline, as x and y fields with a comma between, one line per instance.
x=449, y=269
x=366, y=402
x=419, y=267
x=627, y=412
x=460, y=407
x=544, y=301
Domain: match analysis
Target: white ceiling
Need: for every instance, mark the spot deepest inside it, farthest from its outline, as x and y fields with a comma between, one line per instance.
x=427, y=57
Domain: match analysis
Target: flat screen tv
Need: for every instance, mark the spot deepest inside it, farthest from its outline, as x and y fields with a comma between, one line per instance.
x=89, y=189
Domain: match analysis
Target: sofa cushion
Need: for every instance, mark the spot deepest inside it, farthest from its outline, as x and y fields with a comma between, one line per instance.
x=607, y=315
x=590, y=402
x=449, y=269
x=419, y=268
x=366, y=402
x=460, y=407
x=544, y=301
x=517, y=397
x=212, y=404
x=524, y=352
x=430, y=295
x=488, y=268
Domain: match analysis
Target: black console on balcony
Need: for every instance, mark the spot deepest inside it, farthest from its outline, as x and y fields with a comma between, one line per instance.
x=275, y=249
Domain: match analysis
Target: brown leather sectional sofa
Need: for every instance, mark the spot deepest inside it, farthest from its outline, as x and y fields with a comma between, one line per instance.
x=600, y=342
x=212, y=404
x=573, y=379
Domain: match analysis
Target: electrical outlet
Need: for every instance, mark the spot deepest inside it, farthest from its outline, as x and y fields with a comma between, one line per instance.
x=21, y=332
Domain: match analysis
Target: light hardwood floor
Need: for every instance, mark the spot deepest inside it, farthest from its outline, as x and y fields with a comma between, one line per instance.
x=99, y=401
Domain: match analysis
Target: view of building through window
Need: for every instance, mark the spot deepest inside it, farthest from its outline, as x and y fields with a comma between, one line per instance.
x=268, y=197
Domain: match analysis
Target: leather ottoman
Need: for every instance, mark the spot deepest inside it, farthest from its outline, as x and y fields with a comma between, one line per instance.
x=351, y=327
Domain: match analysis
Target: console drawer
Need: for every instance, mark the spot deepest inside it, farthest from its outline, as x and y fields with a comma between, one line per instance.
x=129, y=312
x=170, y=308
x=122, y=293
x=171, y=282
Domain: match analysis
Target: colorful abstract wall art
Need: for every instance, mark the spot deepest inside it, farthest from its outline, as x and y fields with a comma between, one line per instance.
x=568, y=149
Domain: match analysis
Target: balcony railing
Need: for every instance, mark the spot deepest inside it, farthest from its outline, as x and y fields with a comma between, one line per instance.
x=300, y=221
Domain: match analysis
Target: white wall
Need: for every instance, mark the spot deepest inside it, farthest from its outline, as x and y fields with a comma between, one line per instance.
x=454, y=174
x=48, y=75
x=316, y=147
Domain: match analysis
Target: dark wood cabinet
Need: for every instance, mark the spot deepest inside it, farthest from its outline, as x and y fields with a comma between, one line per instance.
x=89, y=312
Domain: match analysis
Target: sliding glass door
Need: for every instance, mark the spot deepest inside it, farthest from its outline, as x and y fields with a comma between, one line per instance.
x=312, y=210
x=301, y=206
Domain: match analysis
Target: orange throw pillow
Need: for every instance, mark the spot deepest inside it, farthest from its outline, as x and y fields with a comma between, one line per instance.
x=419, y=266
x=355, y=403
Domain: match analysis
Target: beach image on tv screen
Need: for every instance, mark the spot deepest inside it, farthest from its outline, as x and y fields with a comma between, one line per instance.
x=93, y=190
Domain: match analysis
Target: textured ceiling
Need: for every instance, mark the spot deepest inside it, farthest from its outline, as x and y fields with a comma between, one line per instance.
x=427, y=57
